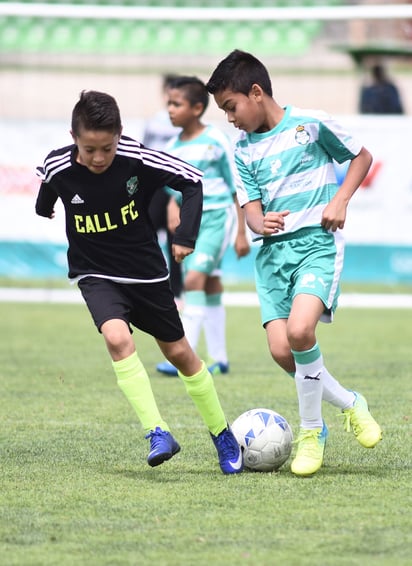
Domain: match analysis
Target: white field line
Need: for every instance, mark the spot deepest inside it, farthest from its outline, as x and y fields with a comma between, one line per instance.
x=241, y=299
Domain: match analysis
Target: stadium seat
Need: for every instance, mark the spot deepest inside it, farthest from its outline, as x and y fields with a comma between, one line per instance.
x=89, y=36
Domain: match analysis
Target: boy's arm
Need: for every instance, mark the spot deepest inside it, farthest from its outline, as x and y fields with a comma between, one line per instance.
x=190, y=214
x=242, y=246
x=173, y=215
x=46, y=199
x=183, y=220
x=265, y=225
x=334, y=214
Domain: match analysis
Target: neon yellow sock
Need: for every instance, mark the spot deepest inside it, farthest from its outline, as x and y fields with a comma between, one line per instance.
x=135, y=384
x=201, y=389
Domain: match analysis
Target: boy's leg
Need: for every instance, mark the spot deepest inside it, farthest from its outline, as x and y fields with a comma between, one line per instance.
x=135, y=384
x=215, y=333
x=200, y=386
x=133, y=380
x=308, y=380
x=110, y=307
x=193, y=315
x=313, y=432
x=201, y=389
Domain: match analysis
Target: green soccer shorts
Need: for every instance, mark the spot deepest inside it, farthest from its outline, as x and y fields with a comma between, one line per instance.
x=307, y=261
x=215, y=234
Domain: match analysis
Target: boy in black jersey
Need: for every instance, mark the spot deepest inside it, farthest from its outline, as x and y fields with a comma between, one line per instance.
x=106, y=182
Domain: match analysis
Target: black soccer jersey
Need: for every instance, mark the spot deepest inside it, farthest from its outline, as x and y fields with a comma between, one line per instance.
x=107, y=223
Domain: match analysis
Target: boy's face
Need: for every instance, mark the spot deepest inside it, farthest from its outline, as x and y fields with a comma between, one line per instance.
x=96, y=149
x=243, y=111
x=181, y=112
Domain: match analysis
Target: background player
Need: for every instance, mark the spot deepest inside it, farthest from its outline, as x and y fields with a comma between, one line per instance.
x=207, y=148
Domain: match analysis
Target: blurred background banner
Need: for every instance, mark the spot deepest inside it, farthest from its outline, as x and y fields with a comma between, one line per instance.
x=319, y=54
x=378, y=229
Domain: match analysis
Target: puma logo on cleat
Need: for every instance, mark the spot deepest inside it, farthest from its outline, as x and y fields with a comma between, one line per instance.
x=315, y=377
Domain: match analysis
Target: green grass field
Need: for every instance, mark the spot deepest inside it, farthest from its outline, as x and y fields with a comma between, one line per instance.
x=76, y=489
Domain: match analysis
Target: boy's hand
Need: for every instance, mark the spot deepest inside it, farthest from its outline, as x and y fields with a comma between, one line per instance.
x=180, y=252
x=274, y=222
x=242, y=246
x=333, y=216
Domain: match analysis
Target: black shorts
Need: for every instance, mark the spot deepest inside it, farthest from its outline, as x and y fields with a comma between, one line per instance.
x=150, y=307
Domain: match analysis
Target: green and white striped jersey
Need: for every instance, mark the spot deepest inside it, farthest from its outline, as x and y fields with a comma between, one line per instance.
x=212, y=153
x=291, y=167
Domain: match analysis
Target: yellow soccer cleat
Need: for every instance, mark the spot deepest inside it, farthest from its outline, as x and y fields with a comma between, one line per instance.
x=311, y=446
x=364, y=426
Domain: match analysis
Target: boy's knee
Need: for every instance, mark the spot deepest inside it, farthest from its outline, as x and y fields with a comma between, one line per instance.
x=299, y=336
x=117, y=336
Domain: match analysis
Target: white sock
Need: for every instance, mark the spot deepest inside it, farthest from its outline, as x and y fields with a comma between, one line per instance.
x=309, y=387
x=334, y=393
x=193, y=316
x=215, y=332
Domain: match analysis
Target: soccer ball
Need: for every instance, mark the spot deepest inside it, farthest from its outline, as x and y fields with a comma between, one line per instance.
x=265, y=438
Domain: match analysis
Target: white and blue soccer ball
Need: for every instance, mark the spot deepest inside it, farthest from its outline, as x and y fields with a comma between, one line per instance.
x=265, y=438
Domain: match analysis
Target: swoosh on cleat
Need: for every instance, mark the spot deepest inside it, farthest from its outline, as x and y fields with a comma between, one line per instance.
x=238, y=464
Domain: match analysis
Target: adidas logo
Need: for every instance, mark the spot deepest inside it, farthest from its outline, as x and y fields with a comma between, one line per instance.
x=77, y=199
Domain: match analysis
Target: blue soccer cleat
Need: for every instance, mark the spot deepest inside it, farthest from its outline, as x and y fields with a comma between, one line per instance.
x=162, y=446
x=217, y=368
x=167, y=369
x=229, y=452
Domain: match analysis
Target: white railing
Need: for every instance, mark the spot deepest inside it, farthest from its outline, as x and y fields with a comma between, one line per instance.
x=326, y=13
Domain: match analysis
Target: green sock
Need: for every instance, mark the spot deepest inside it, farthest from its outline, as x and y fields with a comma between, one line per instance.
x=201, y=389
x=135, y=384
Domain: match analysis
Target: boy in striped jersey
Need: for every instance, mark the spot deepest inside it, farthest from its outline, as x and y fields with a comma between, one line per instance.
x=293, y=204
x=106, y=181
x=208, y=149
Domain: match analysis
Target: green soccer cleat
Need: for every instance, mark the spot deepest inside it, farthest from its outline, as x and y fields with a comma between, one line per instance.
x=364, y=426
x=311, y=446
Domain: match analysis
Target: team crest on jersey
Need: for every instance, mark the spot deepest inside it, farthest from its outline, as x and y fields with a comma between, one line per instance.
x=132, y=185
x=301, y=136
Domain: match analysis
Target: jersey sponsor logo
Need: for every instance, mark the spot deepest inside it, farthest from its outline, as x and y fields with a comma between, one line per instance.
x=103, y=222
x=307, y=158
x=302, y=137
x=275, y=166
x=132, y=185
x=77, y=199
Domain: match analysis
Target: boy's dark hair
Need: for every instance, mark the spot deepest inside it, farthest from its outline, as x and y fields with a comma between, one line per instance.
x=238, y=72
x=194, y=90
x=168, y=79
x=96, y=111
